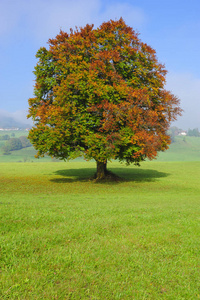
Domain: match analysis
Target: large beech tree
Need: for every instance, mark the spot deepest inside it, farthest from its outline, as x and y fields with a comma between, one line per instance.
x=100, y=93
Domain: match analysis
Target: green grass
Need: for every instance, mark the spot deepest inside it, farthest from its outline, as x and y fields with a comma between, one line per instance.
x=17, y=133
x=65, y=237
x=22, y=155
x=183, y=149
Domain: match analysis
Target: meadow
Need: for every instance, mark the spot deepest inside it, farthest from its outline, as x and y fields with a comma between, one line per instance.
x=184, y=149
x=63, y=236
x=22, y=155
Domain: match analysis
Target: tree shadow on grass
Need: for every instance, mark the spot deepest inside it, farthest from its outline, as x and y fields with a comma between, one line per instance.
x=125, y=175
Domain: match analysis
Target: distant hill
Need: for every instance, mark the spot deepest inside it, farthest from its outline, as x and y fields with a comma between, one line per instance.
x=184, y=148
x=9, y=122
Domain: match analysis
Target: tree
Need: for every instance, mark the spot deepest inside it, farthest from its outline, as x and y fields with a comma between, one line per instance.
x=25, y=142
x=100, y=93
x=13, y=144
x=193, y=132
x=5, y=150
x=173, y=131
x=5, y=137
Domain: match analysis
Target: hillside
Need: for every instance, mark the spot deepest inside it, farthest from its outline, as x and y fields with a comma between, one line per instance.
x=22, y=155
x=183, y=149
x=10, y=122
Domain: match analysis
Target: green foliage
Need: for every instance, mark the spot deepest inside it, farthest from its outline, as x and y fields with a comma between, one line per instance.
x=25, y=142
x=5, y=137
x=183, y=149
x=5, y=150
x=100, y=93
x=173, y=132
x=14, y=144
x=193, y=132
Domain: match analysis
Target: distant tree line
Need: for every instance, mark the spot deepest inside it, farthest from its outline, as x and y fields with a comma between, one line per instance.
x=174, y=131
x=193, y=132
x=4, y=137
x=14, y=144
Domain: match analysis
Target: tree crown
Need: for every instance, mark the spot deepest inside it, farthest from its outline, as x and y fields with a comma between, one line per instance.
x=100, y=93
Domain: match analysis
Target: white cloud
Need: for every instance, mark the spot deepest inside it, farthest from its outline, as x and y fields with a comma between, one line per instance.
x=20, y=116
x=187, y=88
x=43, y=19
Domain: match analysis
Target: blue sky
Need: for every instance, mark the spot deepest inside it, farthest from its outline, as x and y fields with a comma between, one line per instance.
x=171, y=27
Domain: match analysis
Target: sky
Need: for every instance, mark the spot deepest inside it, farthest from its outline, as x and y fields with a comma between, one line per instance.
x=171, y=27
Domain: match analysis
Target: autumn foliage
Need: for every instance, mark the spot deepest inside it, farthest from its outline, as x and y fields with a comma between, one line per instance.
x=100, y=93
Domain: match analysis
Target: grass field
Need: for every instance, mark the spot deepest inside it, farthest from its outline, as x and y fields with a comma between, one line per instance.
x=65, y=237
x=184, y=149
x=23, y=155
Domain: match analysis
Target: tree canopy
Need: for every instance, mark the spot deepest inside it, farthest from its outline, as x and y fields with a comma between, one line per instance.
x=15, y=144
x=193, y=132
x=100, y=93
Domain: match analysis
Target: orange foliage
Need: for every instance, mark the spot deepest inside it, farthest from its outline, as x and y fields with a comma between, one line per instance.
x=100, y=93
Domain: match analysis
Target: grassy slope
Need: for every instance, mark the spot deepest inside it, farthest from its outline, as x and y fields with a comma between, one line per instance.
x=23, y=155
x=64, y=237
x=184, y=149
x=17, y=133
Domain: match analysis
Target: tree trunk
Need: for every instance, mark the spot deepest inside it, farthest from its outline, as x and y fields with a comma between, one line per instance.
x=101, y=170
